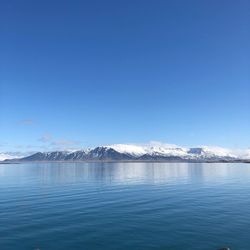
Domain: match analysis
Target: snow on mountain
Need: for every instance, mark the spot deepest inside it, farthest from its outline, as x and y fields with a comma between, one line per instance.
x=222, y=152
x=246, y=155
x=4, y=156
x=151, y=149
x=171, y=150
x=10, y=155
x=143, y=152
x=209, y=152
x=243, y=154
x=167, y=150
x=129, y=149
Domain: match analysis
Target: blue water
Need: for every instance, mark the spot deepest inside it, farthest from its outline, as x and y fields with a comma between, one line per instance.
x=124, y=206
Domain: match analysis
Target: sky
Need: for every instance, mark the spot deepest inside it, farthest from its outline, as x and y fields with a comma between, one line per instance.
x=76, y=74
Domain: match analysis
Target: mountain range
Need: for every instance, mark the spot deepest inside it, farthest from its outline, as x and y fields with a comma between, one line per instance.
x=129, y=152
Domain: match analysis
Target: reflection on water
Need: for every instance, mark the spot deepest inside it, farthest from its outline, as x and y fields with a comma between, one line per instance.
x=123, y=173
x=120, y=206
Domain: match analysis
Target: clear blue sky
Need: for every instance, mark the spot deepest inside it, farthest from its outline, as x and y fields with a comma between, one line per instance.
x=84, y=73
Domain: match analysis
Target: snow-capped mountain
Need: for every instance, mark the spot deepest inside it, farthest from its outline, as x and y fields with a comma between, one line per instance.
x=150, y=152
x=11, y=155
x=166, y=150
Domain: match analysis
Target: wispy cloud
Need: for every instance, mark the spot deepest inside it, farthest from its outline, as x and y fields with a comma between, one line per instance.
x=26, y=122
x=64, y=142
x=3, y=144
x=45, y=138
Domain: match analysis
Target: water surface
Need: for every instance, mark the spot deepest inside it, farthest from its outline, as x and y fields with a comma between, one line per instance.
x=124, y=206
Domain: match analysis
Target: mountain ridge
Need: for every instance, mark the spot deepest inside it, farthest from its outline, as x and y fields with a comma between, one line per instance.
x=130, y=152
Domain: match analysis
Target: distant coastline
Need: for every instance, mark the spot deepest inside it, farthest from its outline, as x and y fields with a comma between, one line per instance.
x=140, y=153
x=122, y=161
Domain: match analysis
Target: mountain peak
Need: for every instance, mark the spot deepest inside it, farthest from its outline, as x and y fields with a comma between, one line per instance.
x=143, y=152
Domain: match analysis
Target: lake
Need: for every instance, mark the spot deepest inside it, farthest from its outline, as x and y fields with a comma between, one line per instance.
x=171, y=206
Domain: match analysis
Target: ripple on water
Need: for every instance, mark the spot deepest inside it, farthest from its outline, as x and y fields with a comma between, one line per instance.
x=125, y=206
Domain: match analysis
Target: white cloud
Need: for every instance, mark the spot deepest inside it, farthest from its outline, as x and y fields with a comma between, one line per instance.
x=26, y=122
x=64, y=142
x=45, y=138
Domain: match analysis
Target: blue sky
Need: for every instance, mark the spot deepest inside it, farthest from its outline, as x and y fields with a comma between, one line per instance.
x=85, y=73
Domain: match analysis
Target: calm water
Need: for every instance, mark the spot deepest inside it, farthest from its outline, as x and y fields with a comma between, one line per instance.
x=124, y=206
